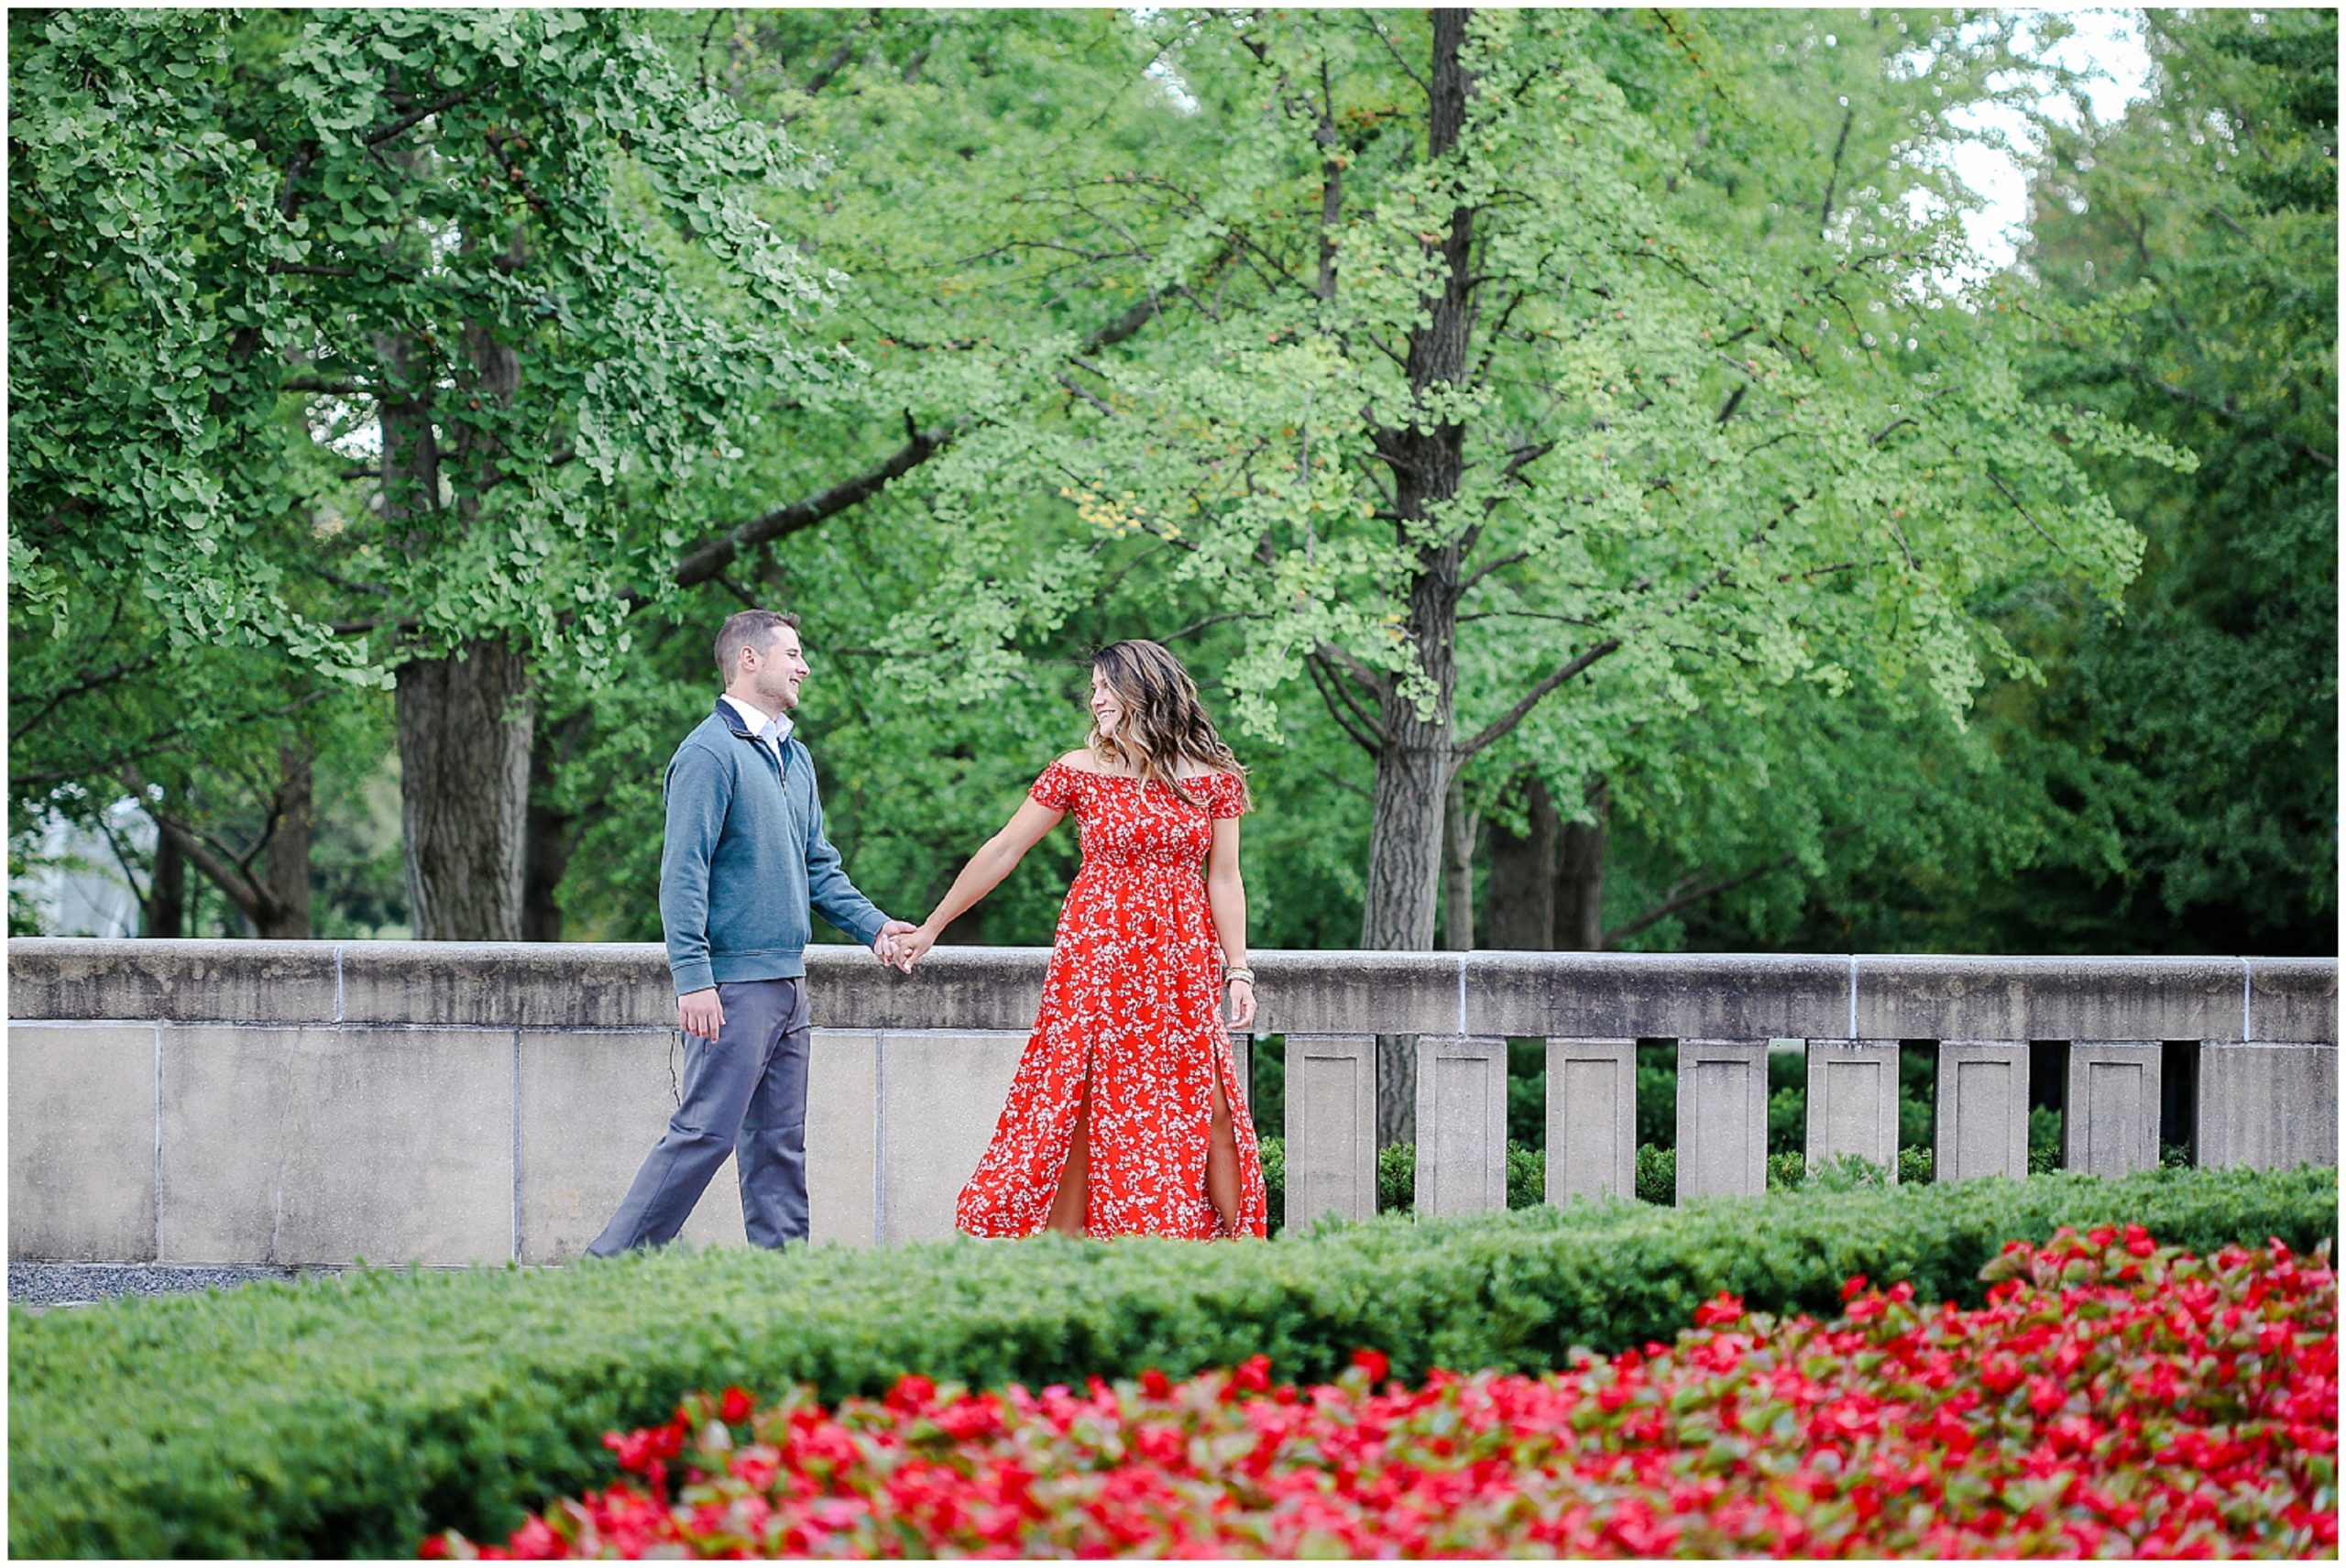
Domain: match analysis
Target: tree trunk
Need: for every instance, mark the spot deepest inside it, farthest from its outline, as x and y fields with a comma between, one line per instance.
x=545, y=856
x=1519, y=911
x=548, y=839
x=1414, y=765
x=165, y=911
x=1405, y=834
x=464, y=723
x=1580, y=879
x=274, y=903
x=1419, y=754
x=1459, y=827
x=282, y=913
x=466, y=718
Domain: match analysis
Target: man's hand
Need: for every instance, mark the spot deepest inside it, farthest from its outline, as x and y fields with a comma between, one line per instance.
x=912, y=946
x=889, y=944
x=699, y=1012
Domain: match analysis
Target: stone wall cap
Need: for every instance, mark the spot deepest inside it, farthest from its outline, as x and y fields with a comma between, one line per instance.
x=1722, y=996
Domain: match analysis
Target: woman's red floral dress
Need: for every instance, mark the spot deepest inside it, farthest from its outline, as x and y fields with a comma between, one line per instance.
x=1130, y=1007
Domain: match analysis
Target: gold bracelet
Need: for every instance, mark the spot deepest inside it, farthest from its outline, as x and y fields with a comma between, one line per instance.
x=1245, y=974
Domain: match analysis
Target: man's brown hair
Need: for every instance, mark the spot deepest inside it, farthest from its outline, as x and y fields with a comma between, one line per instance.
x=751, y=629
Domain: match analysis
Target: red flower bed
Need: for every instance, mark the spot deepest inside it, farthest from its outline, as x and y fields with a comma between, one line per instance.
x=2111, y=1400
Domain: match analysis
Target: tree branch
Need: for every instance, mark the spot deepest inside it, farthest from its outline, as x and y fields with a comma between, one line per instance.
x=1488, y=567
x=248, y=896
x=1338, y=700
x=1696, y=60
x=1726, y=885
x=122, y=858
x=1086, y=394
x=1332, y=185
x=242, y=891
x=1375, y=681
x=1997, y=480
x=1394, y=50
x=839, y=57
x=705, y=560
x=710, y=558
x=1197, y=626
x=155, y=743
x=417, y=117
x=289, y=200
x=1498, y=728
x=1824, y=213
x=87, y=683
x=2219, y=411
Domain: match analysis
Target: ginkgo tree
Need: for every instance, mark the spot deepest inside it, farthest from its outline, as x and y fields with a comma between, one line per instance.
x=354, y=343
x=1507, y=369
x=1503, y=384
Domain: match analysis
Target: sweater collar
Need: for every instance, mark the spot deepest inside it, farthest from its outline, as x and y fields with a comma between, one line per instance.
x=746, y=719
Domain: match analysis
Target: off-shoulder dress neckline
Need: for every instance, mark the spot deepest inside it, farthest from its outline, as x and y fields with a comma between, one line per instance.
x=1198, y=783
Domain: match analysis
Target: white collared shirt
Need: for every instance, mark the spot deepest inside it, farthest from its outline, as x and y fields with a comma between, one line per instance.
x=771, y=731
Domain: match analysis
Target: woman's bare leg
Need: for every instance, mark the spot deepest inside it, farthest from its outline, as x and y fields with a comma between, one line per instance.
x=1222, y=1162
x=1074, y=1177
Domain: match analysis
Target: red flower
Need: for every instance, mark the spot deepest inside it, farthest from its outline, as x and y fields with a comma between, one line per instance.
x=1720, y=1308
x=1856, y=1282
x=1886, y=1433
x=735, y=1407
x=912, y=1392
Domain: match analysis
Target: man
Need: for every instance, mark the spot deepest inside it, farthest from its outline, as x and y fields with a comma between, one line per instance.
x=745, y=856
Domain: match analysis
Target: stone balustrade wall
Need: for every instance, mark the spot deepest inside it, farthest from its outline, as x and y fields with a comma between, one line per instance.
x=314, y=1102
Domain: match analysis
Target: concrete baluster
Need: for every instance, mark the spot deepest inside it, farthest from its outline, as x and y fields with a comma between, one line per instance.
x=1853, y=1101
x=1982, y=1119
x=1461, y=1125
x=1592, y=1119
x=1330, y=1127
x=1722, y=1117
x=2111, y=1119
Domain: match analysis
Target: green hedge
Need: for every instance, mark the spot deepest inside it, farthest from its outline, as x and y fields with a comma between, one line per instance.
x=1656, y=1175
x=351, y=1416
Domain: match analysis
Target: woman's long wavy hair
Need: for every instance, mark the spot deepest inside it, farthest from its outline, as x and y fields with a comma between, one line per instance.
x=1164, y=723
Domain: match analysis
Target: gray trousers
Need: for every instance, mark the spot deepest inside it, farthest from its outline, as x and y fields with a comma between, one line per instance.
x=744, y=1093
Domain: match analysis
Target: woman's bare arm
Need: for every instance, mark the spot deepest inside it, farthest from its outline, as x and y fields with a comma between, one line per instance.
x=995, y=858
x=1227, y=896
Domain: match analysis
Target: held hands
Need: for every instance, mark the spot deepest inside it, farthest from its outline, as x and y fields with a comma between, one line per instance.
x=888, y=946
x=912, y=946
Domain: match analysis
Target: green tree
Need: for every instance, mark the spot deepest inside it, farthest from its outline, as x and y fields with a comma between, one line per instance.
x=2202, y=730
x=1485, y=357
x=2171, y=784
x=345, y=339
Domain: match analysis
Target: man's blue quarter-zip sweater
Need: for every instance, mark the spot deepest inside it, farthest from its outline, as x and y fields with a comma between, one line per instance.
x=745, y=857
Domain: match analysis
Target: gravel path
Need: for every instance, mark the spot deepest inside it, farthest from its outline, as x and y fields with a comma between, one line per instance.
x=41, y=1286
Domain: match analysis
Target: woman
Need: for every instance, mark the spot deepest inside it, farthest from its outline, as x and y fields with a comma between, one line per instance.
x=1126, y=1116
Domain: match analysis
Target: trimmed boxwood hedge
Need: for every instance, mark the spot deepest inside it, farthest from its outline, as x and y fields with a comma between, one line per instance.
x=351, y=1416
